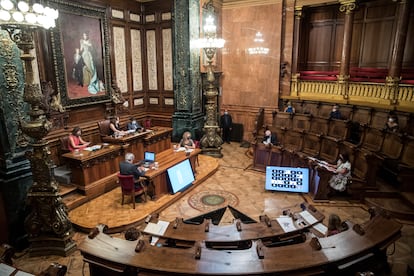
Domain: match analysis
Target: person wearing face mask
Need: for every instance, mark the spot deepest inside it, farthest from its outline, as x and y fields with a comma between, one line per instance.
x=226, y=125
x=269, y=138
x=341, y=174
x=75, y=140
x=289, y=108
x=134, y=125
x=186, y=142
x=335, y=113
x=392, y=124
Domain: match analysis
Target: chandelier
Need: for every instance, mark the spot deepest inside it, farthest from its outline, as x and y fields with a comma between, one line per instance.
x=210, y=40
x=21, y=14
x=259, y=50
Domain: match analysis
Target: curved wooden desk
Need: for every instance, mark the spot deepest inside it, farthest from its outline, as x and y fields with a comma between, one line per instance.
x=113, y=256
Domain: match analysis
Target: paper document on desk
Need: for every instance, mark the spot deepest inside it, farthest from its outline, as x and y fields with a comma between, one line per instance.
x=321, y=228
x=96, y=147
x=286, y=223
x=308, y=217
x=6, y=269
x=156, y=229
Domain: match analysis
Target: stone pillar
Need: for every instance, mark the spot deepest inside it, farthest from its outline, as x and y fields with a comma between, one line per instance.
x=188, y=115
x=15, y=173
x=295, y=59
x=347, y=6
x=394, y=70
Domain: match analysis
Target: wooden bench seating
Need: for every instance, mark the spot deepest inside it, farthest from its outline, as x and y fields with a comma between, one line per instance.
x=407, y=76
x=367, y=74
x=372, y=149
x=319, y=75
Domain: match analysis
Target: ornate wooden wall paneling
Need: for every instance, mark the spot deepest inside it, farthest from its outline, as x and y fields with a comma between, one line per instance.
x=392, y=146
x=372, y=139
x=301, y=122
x=319, y=125
x=312, y=144
x=283, y=120
x=338, y=129
x=406, y=165
x=329, y=149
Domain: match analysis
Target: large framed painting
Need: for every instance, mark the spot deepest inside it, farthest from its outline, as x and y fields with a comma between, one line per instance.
x=80, y=48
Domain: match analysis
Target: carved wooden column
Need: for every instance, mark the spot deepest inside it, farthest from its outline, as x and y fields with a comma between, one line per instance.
x=295, y=75
x=347, y=6
x=394, y=70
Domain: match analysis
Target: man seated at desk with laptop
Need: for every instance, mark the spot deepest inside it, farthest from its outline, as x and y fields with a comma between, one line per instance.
x=128, y=167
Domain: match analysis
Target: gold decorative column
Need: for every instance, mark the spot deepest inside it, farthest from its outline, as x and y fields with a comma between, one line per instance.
x=295, y=76
x=211, y=141
x=347, y=6
x=48, y=226
x=394, y=71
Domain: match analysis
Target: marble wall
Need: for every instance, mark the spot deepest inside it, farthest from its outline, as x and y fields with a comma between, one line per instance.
x=251, y=80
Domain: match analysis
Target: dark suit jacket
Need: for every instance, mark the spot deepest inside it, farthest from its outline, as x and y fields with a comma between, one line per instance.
x=226, y=121
x=273, y=139
x=126, y=168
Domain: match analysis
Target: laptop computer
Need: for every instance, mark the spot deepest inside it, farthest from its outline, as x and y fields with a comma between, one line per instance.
x=149, y=158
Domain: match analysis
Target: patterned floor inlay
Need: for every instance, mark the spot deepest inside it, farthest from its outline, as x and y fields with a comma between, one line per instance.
x=210, y=200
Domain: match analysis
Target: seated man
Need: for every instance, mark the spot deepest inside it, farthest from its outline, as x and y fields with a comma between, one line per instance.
x=128, y=167
x=134, y=125
x=335, y=113
x=269, y=138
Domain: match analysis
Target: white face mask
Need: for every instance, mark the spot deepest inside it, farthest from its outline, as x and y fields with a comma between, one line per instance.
x=134, y=122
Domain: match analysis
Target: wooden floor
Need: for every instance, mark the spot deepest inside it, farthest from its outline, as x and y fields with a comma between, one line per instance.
x=231, y=173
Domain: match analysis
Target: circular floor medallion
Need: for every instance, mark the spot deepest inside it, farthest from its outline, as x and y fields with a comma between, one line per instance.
x=211, y=200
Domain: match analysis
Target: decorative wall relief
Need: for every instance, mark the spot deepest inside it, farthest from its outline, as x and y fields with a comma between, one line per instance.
x=167, y=62
x=120, y=58
x=152, y=60
x=136, y=60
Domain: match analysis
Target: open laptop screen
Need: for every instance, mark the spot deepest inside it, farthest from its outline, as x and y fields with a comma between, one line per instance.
x=149, y=156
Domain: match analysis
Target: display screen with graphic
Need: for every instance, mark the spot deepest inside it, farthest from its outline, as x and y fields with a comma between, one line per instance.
x=180, y=176
x=287, y=179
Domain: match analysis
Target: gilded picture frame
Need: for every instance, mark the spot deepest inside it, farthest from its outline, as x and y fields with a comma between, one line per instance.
x=80, y=49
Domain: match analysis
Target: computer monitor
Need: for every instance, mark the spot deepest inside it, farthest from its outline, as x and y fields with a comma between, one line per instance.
x=180, y=176
x=287, y=179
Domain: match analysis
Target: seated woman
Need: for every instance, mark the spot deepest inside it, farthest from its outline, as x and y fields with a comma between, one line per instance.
x=186, y=141
x=334, y=225
x=342, y=172
x=75, y=140
x=114, y=128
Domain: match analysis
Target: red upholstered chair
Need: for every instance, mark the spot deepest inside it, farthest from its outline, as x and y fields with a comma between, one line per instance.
x=128, y=188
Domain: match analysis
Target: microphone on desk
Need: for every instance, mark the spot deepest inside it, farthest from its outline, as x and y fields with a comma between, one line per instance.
x=316, y=245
